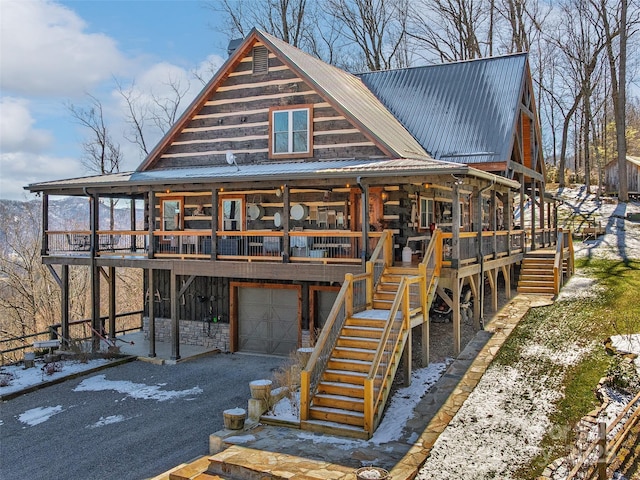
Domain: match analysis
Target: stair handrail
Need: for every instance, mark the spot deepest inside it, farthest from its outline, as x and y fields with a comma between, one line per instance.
x=381, y=257
x=375, y=398
x=341, y=310
x=558, y=277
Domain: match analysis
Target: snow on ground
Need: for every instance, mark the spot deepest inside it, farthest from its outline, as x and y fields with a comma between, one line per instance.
x=21, y=378
x=400, y=410
x=628, y=344
x=38, y=415
x=500, y=427
x=622, y=238
x=140, y=391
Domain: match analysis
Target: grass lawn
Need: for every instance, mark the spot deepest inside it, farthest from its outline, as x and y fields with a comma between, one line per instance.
x=577, y=325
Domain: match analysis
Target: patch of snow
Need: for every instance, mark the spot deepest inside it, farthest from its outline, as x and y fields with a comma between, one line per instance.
x=287, y=409
x=28, y=377
x=139, y=391
x=566, y=357
x=235, y=411
x=111, y=419
x=404, y=401
x=497, y=429
x=39, y=415
x=628, y=344
x=579, y=286
x=260, y=383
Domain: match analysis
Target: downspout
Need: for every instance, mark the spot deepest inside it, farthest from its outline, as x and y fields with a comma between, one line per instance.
x=480, y=255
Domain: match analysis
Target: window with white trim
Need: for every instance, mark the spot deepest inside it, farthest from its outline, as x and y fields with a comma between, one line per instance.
x=426, y=212
x=290, y=131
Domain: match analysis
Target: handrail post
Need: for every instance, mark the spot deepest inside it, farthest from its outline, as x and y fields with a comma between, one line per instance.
x=348, y=301
x=305, y=385
x=369, y=293
x=368, y=405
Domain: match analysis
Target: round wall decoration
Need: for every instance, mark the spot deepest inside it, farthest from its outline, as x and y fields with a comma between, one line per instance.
x=277, y=219
x=255, y=212
x=299, y=211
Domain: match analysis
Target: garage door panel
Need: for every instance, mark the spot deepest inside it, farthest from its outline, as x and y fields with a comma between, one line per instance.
x=267, y=320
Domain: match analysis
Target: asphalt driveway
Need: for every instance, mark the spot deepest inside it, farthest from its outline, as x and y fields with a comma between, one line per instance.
x=132, y=421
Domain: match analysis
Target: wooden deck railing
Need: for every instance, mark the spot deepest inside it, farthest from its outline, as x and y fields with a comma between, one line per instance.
x=12, y=348
x=591, y=465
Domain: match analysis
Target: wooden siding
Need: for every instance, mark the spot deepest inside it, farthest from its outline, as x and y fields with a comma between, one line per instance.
x=236, y=118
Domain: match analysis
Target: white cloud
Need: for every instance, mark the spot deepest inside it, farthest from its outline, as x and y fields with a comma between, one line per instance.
x=16, y=128
x=20, y=168
x=46, y=51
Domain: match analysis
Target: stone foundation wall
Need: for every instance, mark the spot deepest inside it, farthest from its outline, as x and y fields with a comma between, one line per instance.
x=210, y=335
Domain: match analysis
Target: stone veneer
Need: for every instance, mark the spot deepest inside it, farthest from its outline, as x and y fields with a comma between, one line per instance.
x=192, y=332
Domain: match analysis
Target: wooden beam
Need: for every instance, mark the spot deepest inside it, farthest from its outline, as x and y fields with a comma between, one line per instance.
x=517, y=167
x=112, y=302
x=45, y=225
x=152, y=313
x=151, y=215
x=64, y=305
x=175, y=324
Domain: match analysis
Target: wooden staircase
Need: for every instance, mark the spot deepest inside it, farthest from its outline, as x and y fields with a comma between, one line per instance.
x=338, y=405
x=536, y=273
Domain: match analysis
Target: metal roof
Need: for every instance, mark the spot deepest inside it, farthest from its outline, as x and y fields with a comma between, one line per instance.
x=349, y=94
x=461, y=112
x=277, y=171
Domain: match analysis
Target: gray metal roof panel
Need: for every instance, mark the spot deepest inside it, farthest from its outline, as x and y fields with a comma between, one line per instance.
x=462, y=112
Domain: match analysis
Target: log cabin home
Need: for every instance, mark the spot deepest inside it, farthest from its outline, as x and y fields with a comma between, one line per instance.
x=296, y=204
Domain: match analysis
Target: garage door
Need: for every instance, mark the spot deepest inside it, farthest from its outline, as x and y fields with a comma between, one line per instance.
x=268, y=320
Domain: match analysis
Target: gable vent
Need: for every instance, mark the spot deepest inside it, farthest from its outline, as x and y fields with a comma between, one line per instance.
x=260, y=60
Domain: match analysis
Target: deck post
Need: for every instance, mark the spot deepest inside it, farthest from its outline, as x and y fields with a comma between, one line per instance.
x=508, y=218
x=152, y=314
x=151, y=215
x=533, y=213
x=175, y=327
x=112, y=302
x=364, y=251
x=455, y=227
x=285, y=223
x=132, y=225
x=96, y=322
x=64, y=305
x=45, y=225
x=494, y=222
x=214, y=223
x=542, y=220
x=457, y=337
x=406, y=358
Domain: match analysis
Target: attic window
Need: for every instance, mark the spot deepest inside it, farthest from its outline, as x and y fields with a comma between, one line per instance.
x=260, y=60
x=290, y=132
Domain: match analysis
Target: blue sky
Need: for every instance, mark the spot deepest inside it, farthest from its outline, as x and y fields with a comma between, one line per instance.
x=52, y=53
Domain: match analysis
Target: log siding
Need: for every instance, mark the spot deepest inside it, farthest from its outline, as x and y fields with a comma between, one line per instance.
x=236, y=118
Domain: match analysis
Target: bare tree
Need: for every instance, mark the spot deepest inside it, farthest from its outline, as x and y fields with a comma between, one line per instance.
x=149, y=114
x=613, y=19
x=376, y=28
x=102, y=153
x=285, y=19
x=451, y=29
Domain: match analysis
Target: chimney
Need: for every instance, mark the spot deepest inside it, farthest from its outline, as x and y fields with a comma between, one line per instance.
x=233, y=45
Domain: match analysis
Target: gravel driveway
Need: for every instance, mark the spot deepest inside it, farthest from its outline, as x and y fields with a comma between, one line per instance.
x=132, y=421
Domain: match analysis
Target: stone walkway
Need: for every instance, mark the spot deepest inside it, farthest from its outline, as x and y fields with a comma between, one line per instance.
x=280, y=452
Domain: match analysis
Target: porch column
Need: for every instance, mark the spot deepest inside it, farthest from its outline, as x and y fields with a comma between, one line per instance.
x=152, y=314
x=151, y=215
x=214, y=223
x=493, y=220
x=134, y=242
x=533, y=214
x=542, y=219
x=285, y=223
x=112, y=302
x=522, y=206
x=364, y=250
x=64, y=305
x=507, y=218
x=175, y=326
x=45, y=224
x=96, y=322
x=455, y=265
x=477, y=221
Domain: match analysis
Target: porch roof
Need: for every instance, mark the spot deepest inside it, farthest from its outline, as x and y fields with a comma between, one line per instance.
x=271, y=172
